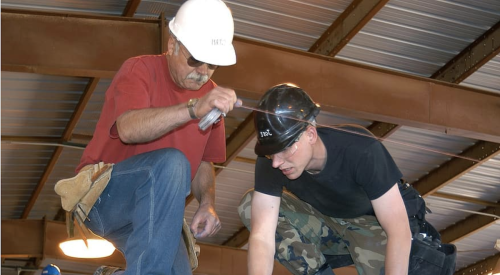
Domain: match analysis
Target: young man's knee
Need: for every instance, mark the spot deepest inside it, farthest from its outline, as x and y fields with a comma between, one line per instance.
x=245, y=207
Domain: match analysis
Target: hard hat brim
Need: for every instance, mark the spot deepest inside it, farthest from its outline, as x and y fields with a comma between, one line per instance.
x=202, y=50
x=278, y=145
x=271, y=149
x=220, y=56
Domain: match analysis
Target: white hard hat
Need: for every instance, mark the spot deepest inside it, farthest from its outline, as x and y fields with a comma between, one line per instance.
x=206, y=29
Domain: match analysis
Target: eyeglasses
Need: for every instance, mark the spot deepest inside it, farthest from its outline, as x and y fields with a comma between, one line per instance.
x=193, y=62
x=287, y=153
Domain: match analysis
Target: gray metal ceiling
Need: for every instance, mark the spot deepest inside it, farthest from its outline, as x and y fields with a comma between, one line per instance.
x=419, y=37
x=487, y=77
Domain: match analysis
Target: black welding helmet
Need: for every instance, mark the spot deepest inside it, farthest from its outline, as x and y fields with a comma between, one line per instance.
x=286, y=110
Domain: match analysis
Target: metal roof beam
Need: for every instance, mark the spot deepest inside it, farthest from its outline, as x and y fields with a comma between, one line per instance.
x=341, y=87
x=346, y=26
x=450, y=171
x=469, y=225
x=80, y=107
x=131, y=8
x=74, y=45
x=485, y=266
x=471, y=58
x=456, y=167
x=41, y=183
x=465, y=199
x=382, y=129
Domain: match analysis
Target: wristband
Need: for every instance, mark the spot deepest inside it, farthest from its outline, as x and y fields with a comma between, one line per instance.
x=191, y=103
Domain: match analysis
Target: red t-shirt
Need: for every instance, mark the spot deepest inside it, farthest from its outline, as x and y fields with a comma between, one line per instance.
x=145, y=82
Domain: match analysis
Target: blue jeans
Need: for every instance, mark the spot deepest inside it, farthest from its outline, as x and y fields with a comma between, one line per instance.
x=141, y=212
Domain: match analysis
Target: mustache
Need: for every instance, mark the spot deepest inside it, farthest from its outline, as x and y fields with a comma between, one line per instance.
x=200, y=78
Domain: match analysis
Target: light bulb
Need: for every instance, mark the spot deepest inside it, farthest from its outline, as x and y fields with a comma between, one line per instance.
x=97, y=248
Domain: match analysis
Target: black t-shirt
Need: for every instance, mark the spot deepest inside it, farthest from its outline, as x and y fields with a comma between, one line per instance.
x=358, y=169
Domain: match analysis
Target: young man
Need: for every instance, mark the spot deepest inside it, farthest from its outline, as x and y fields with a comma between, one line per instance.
x=149, y=130
x=341, y=201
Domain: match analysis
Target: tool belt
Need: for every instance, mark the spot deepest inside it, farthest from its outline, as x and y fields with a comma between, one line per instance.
x=79, y=193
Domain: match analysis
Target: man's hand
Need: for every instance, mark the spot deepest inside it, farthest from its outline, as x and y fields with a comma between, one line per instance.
x=221, y=98
x=205, y=222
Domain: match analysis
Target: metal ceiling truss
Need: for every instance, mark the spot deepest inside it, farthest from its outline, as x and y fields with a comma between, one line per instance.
x=131, y=8
x=346, y=26
x=472, y=57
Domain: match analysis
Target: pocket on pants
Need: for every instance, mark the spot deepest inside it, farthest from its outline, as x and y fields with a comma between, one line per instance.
x=425, y=259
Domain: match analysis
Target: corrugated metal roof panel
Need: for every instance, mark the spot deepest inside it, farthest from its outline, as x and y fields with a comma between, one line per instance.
x=151, y=9
x=22, y=168
x=108, y=7
x=293, y=24
x=88, y=120
x=477, y=246
x=446, y=212
x=48, y=203
x=482, y=182
x=419, y=151
x=38, y=105
x=487, y=77
x=419, y=37
x=33, y=105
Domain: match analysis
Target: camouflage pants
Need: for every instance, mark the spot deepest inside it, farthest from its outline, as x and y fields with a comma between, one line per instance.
x=304, y=236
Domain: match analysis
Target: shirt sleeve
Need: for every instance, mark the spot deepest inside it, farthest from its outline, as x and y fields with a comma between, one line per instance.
x=376, y=171
x=131, y=87
x=268, y=180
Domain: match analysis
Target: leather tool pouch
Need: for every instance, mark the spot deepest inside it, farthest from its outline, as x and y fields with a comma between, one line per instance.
x=79, y=193
x=192, y=248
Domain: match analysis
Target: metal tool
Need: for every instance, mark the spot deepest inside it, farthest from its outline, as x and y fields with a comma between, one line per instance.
x=210, y=118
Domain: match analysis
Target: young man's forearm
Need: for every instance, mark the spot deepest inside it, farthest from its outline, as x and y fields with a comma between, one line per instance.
x=397, y=257
x=260, y=258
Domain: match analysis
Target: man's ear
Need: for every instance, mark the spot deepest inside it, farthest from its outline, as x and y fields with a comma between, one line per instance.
x=170, y=45
x=312, y=134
